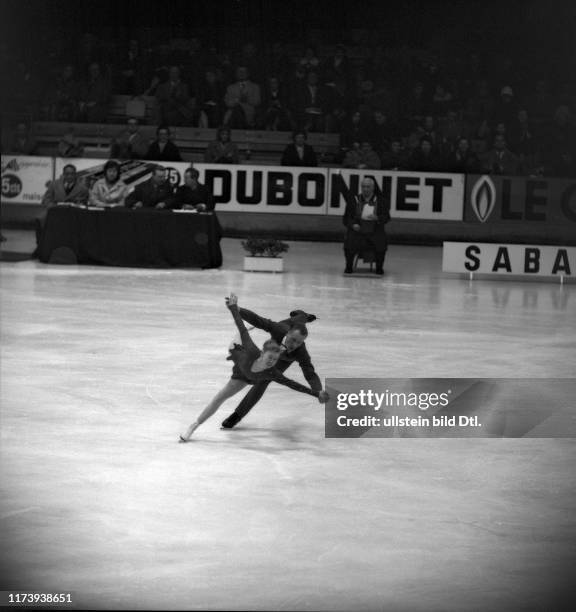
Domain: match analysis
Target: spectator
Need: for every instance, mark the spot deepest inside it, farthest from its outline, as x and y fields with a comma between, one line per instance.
x=131, y=67
x=210, y=96
x=442, y=101
x=192, y=195
x=481, y=105
x=22, y=93
x=463, y=160
x=365, y=218
x=395, y=158
x=561, y=135
x=129, y=144
x=337, y=76
x=355, y=129
x=23, y=143
x=414, y=107
x=61, y=100
x=451, y=128
x=163, y=149
x=277, y=115
x=362, y=156
x=69, y=145
x=506, y=109
x=312, y=104
x=562, y=165
x=242, y=100
x=68, y=188
x=426, y=129
x=471, y=73
x=88, y=52
x=540, y=103
x=175, y=106
x=299, y=153
x=309, y=61
x=372, y=96
x=222, y=150
x=156, y=192
x=110, y=190
x=94, y=96
x=279, y=63
x=523, y=139
x=500, y=160
x=252, y=60
x=425, y=158
x=380, y=131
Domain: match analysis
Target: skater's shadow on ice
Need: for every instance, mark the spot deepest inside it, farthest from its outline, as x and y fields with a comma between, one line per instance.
x=280, y=439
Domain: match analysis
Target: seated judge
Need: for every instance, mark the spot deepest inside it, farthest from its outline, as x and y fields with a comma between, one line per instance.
x=156, y=192
x=68, y=189
x=365, y=218
x=110, y=190
x=299, y=153
x=192, y=195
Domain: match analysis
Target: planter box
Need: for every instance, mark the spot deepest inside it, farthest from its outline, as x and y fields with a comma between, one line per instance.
x=263, y=264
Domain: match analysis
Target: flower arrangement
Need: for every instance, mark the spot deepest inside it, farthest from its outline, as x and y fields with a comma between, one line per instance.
x=264, y=247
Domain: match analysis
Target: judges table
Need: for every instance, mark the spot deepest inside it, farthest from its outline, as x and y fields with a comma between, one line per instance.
x=124, y=237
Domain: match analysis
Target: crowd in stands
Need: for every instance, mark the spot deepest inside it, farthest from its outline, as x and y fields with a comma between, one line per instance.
x=393, y=109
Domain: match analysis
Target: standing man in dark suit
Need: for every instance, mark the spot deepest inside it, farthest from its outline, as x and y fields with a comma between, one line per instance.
x=365, y=218
x=291, y=335
x=156, y=192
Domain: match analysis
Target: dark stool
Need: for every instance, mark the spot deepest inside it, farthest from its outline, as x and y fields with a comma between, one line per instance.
x=368, y=257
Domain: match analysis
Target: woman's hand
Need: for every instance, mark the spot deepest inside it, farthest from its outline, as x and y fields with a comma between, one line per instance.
x=232, y=300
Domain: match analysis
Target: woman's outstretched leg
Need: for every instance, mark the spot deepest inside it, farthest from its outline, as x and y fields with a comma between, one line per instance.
x=230, y=388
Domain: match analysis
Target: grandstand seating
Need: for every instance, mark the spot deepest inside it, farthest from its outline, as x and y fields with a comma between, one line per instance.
x=258, y=147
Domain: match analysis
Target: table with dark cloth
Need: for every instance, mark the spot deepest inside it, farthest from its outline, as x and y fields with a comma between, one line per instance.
x=123, y=237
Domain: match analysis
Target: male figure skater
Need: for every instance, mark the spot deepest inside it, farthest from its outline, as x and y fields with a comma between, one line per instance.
x=292, y=340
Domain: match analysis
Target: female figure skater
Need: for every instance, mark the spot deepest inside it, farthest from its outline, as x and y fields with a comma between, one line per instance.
x=250, y=365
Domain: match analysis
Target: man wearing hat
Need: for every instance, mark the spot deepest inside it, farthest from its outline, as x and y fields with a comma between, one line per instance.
x=291, y=335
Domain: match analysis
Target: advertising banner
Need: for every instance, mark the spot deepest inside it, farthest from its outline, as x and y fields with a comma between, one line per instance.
x=25, y=179
x=530, y=201
x=235, y=188
x=267, y=189
x=413, y=195
x=508, y=259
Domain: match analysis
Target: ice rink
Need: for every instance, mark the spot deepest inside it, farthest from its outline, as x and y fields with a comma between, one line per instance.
x=102, y=368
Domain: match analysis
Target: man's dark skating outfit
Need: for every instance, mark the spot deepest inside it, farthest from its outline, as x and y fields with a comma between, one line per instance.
x=278, y=331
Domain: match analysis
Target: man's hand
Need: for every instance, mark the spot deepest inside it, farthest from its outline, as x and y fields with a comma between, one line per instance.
x=231, y=300
x=138, y=205
x=160, y=205
x=356, y=227
x=201, y=207
x=323, y=397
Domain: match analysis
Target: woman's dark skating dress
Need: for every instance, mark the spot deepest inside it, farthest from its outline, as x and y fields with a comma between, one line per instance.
x=246, y=354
